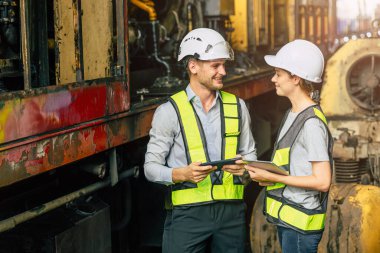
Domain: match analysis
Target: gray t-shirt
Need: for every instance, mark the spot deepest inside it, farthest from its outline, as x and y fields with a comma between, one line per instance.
x=311, y=145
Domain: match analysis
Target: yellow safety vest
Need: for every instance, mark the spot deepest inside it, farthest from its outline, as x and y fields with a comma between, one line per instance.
x=277, y=208
x=211, y=188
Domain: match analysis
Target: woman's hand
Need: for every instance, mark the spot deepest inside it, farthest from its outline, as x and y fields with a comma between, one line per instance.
x=264, y=177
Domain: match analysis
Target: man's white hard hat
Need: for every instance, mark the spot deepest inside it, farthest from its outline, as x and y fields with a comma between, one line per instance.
x=301, y=58
x=205, y=44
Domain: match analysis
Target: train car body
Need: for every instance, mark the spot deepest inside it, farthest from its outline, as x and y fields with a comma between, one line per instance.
x=79, y=83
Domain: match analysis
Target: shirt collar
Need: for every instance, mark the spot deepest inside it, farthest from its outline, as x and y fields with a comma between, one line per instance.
x=190, y=93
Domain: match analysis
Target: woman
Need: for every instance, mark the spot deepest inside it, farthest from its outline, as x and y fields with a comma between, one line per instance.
x=297, y=203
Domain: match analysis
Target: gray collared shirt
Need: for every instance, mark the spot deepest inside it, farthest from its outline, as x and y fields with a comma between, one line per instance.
x=166, y=149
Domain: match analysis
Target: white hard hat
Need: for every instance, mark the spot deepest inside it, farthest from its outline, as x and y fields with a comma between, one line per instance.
x=205, y=44
x=301, y=58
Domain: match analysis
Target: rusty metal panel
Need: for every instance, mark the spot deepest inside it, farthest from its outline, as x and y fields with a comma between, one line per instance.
x=52, y=151
x=65, y=44
x=118, y=97
x=130, y=128
x=97, y=38
x=53, y=108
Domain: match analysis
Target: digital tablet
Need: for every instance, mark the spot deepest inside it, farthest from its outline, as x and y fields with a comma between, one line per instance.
x=266, y=165
x=221, y=163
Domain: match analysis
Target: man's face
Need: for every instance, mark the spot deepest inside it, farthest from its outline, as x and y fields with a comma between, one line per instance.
x=210, y=73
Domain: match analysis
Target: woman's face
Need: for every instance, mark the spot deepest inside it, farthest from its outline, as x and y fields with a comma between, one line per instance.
x=284, y=82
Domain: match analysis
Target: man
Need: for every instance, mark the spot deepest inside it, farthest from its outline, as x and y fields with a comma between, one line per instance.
x=202, y=124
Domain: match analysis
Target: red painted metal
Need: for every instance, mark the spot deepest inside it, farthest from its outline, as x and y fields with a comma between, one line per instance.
x=55, y=126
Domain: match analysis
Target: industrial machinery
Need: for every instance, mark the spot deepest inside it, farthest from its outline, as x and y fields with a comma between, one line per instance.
x=353, y=73
x=79, y=83
x=350, y=100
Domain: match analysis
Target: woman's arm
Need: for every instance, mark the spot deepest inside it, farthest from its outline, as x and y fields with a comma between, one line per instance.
x=319, y=180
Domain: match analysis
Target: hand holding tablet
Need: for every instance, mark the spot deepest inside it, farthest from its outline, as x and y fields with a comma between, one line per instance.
x=221, y=163
x=268, y=166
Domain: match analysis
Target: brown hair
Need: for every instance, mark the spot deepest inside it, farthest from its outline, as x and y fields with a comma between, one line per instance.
x=308, y=88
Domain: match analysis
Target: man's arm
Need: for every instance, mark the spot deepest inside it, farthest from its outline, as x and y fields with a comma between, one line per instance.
x=165, y=128
x=162, y=136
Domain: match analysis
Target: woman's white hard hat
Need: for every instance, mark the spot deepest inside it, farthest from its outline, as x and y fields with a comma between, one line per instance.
x=205, y=44
x=301, y=58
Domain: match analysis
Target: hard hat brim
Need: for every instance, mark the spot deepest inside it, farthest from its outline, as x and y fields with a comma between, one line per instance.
x=272, y=61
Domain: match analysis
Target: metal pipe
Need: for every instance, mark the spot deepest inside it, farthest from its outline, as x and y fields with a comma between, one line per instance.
x=113, y=167
x=147, y=8
x=189, y=17
x=25, y=43
x=251, y=35
x=155, y=49
x=97, y=169
x=44, y=208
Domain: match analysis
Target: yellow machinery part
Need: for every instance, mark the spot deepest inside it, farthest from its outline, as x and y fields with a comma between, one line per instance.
x=239, y=22
x=335, y=78
x=352, y=223
x=147, y=6
x=96, y=26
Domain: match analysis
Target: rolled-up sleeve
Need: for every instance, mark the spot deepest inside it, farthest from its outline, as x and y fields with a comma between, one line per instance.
x=161, y=140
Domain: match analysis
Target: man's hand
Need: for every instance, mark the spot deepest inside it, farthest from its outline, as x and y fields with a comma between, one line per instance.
x=236, y=169
x=193, y=173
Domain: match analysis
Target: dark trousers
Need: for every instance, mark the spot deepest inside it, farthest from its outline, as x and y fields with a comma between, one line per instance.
x=218, y=226
x=292, y=241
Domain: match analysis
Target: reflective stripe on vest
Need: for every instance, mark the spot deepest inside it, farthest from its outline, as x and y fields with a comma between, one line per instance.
x=196, y=150
x=276, y=207
x=295, y=217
